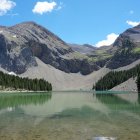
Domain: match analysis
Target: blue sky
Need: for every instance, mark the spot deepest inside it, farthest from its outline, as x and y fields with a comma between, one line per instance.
x=75, y=21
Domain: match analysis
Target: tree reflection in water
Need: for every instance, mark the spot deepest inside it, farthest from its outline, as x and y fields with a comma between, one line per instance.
x=14, y=100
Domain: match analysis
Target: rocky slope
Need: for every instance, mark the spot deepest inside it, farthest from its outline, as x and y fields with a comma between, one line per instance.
x=84, y=49
x=61, y=80
x=129, y=85
x=20, y=44
x=31, y=50
x=128, y=48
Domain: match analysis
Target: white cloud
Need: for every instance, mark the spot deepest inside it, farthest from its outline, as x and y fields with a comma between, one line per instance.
x=132, y=23
x=5, y=6
x=44, y=7
x=109, y=40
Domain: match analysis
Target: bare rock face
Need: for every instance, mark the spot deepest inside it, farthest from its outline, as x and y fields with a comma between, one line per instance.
x=128, y=48
x=20, y=44
x=84, y=49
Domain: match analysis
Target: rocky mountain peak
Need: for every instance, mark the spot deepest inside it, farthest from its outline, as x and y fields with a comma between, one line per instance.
x=128, y=48
x=131, y=35
x=138, y=26
x=23, y=42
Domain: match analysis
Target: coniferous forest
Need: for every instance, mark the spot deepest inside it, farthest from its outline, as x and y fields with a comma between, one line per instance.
x=18, y=83
x=115, y=78
x=138, y=82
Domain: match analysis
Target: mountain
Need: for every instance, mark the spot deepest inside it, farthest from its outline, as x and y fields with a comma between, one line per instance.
x=30, y=50
x=20, y=44
x=128, y=48
x=124, y=64
x=84, y=49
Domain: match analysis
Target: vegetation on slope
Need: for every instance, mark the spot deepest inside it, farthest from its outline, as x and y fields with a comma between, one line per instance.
x=102, y=53
x=136, y=50
x=115, y=78
x=127, y=52
x=15, y=82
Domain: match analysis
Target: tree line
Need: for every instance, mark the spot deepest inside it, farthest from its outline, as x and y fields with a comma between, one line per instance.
x=18, y=83
x=115, y=78
x=138, y=82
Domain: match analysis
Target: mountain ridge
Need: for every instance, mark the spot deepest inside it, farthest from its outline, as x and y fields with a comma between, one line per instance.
x=23, y=42
x=27, y=47
x=128, y=48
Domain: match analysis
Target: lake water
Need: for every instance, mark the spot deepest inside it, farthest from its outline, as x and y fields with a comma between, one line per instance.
x=69, y=116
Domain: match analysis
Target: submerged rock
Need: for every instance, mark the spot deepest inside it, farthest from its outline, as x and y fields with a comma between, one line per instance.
x=104, y=138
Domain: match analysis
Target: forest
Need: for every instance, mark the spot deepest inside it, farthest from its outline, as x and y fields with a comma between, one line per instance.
x=18, y=83
x=138, y=82
x=115, y=78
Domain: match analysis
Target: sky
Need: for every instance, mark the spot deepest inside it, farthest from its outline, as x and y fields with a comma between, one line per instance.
x=95, y=22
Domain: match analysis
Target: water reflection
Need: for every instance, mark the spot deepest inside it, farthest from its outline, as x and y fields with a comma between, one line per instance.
x=139, y=98
x=10, y=101
x=71, y=116
x=67, y=104
x=120, y=102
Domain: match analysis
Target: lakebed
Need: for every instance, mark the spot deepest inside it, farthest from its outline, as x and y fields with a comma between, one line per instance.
x=69, y=116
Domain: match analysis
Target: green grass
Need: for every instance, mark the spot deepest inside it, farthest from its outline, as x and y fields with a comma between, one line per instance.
x=100, y=52
x=98, y=55
x=99, y=58
x=76, y=55
x=136, y=50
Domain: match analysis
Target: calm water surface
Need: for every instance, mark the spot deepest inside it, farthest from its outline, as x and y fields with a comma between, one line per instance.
x=69, y=116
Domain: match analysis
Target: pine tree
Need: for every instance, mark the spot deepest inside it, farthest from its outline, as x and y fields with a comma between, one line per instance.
x=138, y=83
x=115, y=78
x=16, y=82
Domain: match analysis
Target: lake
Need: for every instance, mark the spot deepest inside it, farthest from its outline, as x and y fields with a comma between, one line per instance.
x=69, y=116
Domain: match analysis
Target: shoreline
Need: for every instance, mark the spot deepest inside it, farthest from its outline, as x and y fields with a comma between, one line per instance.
x=17, y=91
x=71, y=91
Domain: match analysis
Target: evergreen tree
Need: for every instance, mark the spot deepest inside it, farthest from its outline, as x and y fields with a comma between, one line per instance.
x=138, y=83
x=10, y=81
x=115, y=78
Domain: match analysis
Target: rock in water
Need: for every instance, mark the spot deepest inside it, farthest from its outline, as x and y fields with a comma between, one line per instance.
x=104, y=138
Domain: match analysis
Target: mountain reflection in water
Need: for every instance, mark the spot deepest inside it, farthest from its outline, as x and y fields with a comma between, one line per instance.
x=70, y=115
